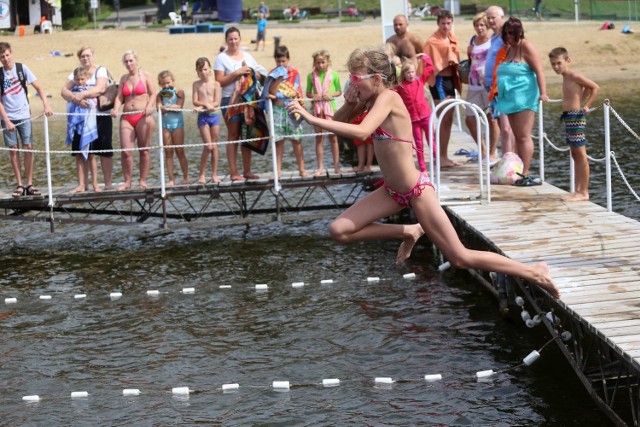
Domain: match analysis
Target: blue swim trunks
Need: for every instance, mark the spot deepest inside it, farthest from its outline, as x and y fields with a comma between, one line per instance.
x=575, y=123
x=208, y=119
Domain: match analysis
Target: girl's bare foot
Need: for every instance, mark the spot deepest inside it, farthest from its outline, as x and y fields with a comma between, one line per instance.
x=576, y=197
x=108, y=187
x=337, y=170
x=78, y=189
x=143, y=185
x=448, y=163
x=414, y=231
x=185, y=181
x=124, y=186
x=303, y=173
x=358, y=169
x=543, y=279
x=319, y=172
x=215, y=179
x=96, y=188
x=170, y=183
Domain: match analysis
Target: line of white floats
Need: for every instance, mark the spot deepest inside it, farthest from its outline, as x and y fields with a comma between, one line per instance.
x=157, y=293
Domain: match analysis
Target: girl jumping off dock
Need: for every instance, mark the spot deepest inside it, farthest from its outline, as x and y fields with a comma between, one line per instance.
x=372, y=74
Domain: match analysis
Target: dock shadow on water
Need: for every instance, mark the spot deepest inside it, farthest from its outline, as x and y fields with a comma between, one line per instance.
x=351, y=329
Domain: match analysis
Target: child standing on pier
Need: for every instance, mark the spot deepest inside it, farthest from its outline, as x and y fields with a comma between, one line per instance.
x=411, y=90
x=206, y=100
x=82, y=130
x=16, y=116
x=170, y=101
x=323, y=86
x=578, y=93
x=372, y=73
x=283, y=85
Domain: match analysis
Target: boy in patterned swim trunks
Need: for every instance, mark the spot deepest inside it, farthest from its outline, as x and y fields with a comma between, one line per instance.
x=578, y=93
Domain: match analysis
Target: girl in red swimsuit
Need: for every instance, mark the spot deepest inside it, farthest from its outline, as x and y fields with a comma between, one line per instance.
x=389, y=125
x=137, y=97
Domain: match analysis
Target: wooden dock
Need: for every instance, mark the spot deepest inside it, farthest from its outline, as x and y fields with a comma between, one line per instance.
x=594, y=257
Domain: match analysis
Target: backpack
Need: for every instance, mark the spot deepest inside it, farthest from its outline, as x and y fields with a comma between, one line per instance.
x=21, y=77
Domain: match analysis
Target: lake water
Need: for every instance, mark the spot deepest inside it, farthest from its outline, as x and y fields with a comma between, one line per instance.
x=354, y=330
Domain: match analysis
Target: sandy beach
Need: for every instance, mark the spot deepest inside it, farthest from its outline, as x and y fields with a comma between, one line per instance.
x=601, y=55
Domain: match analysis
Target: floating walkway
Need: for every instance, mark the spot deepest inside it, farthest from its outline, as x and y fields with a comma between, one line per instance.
x=594, y=258
x=229, y=202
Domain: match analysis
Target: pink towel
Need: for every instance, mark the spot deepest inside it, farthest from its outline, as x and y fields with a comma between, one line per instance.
x=321, y=108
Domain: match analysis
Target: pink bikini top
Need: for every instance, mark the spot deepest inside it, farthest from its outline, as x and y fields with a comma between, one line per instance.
x=381, y=134
x=140, y=89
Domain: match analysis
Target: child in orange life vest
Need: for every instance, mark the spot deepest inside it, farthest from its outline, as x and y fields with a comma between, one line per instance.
x=411, y=90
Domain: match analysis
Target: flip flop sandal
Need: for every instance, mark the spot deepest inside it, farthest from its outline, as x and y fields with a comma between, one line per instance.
x=19, y=192
x=32, y=191
x=461, y=152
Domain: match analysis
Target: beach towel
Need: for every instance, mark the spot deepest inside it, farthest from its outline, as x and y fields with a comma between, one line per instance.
x=245, y=91
x=443, y=53
x=322, y=108
x=627, y=29
x=288, y=87
x=82, y=121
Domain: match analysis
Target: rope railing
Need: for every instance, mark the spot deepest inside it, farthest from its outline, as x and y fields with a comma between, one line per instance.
x=609, y=155
x=440, y=109
x=48, y=152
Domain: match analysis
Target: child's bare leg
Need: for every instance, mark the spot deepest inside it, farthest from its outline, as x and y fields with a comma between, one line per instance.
x=81, y=169
x=360, y=151
x=92, y=166
x=358, y=223
x=440, y=231
x=319, y=151
x=215, y=133
x=581, y=162
x=206, y=152
x=177, y=137
x=299, y=155
x=335, y=152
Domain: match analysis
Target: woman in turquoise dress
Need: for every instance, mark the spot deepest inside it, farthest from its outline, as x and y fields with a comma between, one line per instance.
x=521, y=85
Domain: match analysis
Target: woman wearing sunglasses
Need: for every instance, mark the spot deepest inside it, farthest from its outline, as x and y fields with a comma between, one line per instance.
x=388, y=123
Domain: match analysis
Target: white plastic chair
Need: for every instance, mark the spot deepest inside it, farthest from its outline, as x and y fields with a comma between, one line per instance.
x=175, y=18
x=46, y=27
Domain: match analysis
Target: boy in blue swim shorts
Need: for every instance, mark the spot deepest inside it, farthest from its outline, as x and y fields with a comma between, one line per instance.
x=206, y=100
x=578, y=93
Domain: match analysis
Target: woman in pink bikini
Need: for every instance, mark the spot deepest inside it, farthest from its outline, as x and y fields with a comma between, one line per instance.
x=138, y=97
x=388, y=123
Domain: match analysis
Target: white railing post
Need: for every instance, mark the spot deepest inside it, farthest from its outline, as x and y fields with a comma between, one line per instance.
x=572, y=174
x=163, y=189
x=607, y=154
x=434, y=121
x=48, y=162
x=272, y=143
x=541, y=140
